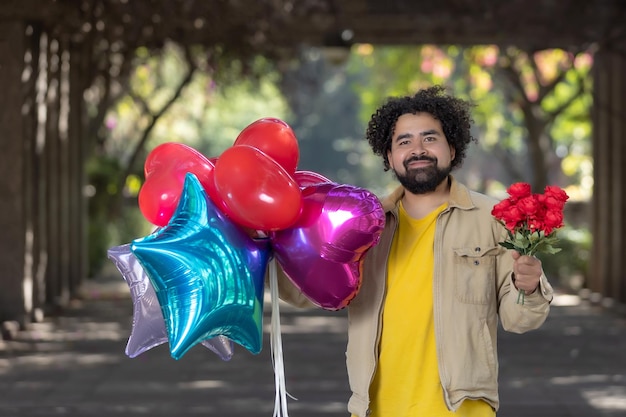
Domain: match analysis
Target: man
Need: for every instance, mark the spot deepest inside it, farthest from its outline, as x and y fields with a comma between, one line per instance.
x=422, y=329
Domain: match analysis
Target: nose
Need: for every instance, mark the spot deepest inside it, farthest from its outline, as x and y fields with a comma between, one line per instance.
x=418, y=149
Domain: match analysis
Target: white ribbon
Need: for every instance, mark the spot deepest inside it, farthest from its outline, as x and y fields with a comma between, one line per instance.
x=276, y=345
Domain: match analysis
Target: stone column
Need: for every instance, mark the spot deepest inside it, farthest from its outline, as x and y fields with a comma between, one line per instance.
x=608, y=261
x=12, y=218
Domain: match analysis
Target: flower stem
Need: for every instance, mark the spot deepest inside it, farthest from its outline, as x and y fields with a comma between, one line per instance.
x=521, y=293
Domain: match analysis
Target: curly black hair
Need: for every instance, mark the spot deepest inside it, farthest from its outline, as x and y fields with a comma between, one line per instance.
x=453, y=113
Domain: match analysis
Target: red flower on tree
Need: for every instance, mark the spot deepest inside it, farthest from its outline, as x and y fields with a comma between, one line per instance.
x=531, y=219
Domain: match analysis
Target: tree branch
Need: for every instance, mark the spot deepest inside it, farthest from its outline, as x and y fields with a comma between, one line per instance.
x=551, y=116
x=513, y=76
x=139, y=147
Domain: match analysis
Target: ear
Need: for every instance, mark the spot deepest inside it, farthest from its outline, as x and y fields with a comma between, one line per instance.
x=389, y=158
x=452, y=152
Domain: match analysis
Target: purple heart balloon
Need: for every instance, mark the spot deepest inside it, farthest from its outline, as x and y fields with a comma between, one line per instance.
x=322, y=253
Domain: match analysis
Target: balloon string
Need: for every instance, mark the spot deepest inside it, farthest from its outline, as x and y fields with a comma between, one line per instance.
x=276, y=345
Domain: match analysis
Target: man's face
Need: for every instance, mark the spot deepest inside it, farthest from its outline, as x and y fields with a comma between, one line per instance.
x=420, y=155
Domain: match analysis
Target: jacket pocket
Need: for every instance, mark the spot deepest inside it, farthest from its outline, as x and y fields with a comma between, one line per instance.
x=475, y=274
x=487, y=373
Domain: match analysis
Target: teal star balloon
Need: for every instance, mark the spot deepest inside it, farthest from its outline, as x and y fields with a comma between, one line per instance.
x=208, y=274
x=148, y=330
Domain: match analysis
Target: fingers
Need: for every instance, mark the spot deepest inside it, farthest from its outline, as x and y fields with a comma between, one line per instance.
x=527, y=270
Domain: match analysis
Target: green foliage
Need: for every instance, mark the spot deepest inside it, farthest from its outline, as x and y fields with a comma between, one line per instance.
x=108, y=228
x=325, y=117
x=210, y=113
x=328, y=107
x=480, y=74
x=230, y=109
x=500, y=82
x=208, y=116
x=528, y=242
x=569, y=267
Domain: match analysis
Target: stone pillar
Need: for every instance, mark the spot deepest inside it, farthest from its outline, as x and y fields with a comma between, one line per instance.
x=608, y=263
x=12, y=217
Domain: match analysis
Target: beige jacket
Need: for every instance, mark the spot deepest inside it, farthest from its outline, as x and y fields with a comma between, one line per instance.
x=472, y=287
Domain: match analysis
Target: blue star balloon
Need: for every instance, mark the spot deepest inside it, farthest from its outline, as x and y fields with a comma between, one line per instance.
x=148, y=329
x=208, y=274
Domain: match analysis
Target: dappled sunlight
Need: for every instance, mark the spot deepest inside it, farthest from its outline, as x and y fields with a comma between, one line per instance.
x=202, y=384
x=33, y=385
x=321, y=409
x=312, y=324
x=64, y=335
x=573, y=365
x=604, y=393
x=563, y=300
x=76, y=365
x=608, y=398
x=142, y=387
x=586, y=379
x=65, y=360
x=84, y=331
x=600, y=391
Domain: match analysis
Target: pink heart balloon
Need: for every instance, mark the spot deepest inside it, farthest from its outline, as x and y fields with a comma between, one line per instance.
x=322, y=253
x=308, y=178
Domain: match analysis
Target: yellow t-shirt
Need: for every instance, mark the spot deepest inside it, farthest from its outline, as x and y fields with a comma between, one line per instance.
x=406, y=383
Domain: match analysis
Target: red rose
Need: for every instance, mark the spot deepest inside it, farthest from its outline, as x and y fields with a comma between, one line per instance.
x=528, y=205
x=530, y=218
x=553, y=220
x=553, y=203
x=512, y=217
x=519, y=190
x=500, y=208
x=536, y=224
x=555, y=192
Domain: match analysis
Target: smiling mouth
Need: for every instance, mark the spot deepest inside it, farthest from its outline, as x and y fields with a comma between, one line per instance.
x=419, y=163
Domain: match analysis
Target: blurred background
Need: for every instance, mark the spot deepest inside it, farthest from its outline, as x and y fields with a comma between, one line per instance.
x=96, y=85
x=92, y=86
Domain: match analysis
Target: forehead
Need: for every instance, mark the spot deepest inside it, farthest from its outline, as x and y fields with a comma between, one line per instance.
x=416, y=122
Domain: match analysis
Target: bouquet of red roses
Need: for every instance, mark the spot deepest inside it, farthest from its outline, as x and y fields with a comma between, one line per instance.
x=531, y=219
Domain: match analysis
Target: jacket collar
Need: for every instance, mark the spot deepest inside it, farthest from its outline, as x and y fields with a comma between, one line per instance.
x=459, y=197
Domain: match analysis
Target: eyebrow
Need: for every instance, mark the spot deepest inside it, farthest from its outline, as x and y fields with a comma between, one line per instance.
x=422, y=134
x=430, y=132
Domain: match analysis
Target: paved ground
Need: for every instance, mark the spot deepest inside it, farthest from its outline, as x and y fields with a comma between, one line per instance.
x=74, y=365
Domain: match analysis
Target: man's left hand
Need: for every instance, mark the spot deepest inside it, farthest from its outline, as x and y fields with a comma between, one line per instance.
x=527, y=270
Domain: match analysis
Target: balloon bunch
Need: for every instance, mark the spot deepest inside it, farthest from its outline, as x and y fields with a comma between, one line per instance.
x=220, y=221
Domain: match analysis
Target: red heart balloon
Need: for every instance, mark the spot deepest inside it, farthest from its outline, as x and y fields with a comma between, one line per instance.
x=256, y=191
x=275, y=138
x=165, y=169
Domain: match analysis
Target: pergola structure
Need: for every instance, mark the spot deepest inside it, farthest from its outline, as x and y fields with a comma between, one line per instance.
x=48, y=51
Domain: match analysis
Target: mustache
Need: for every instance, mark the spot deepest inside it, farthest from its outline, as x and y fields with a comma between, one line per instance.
x=419, y=158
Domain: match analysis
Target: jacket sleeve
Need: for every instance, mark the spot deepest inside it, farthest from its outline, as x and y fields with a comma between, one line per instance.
x=520, y=318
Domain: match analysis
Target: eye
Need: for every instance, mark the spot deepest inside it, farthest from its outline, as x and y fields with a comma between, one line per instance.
x=430, y=139
x=402, y=141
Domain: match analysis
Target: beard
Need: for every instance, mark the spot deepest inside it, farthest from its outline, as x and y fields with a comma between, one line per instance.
x=422, y=180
